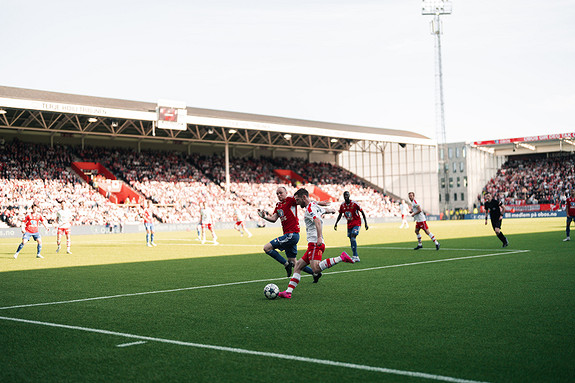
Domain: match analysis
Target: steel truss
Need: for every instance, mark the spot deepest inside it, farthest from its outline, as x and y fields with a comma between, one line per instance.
x=77, y=125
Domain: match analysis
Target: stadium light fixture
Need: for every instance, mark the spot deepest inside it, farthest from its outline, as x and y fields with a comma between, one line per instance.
x=2, y=111
x=526, y=146
x=333, y=140
x=210, y=131
x=436, y=8
x=569, y=142
x=287, y=136
x=92, y=119
x=232, y=131
x=114, y=124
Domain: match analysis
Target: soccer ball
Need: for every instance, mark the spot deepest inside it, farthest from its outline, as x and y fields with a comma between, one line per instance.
x=271, y=291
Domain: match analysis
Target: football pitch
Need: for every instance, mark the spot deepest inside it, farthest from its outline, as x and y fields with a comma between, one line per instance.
x=118, y=311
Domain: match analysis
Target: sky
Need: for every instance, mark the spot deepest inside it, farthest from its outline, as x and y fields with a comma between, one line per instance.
x=508, y=66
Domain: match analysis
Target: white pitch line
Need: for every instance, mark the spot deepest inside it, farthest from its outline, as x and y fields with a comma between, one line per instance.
x=258, y=280
x=142, y=293
x=251, y=352
x=429, y=248
x=131, y=344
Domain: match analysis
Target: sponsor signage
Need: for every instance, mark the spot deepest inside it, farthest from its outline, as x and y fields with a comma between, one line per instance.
x=546, y=137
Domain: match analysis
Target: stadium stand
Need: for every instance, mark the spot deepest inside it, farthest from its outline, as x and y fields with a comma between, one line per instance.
x=533, y=180
x=177, y=183
x=39, y=174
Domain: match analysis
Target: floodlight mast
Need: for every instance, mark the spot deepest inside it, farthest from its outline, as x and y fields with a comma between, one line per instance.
x=436, y=8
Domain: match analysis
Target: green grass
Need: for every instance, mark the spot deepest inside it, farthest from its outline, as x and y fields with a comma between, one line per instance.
x=498, y=315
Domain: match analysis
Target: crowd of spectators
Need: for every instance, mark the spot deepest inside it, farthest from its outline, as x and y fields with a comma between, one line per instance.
x=177, y=183
x=533, y=180
x=37, y=174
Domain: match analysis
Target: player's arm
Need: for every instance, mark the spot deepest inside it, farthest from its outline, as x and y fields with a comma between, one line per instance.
x=364, y=220
x=502, y=209
x=337, y=220
x=267, y=216
x=324, y=203
x=329, y=210
x=317, y=223
x=416, y=211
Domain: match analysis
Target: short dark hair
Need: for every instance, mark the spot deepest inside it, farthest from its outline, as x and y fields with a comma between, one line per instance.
x=301, y=192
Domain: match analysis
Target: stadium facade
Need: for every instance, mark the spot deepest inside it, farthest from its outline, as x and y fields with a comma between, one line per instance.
x=393, y=161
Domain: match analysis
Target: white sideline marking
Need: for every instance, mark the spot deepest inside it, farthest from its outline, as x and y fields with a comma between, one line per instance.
x=131, y=344
x=429, y=248
x=251, y=352
x=258, y=280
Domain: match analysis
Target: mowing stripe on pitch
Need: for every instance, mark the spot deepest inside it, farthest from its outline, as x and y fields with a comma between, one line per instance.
x=259, y=280
x=250, y=352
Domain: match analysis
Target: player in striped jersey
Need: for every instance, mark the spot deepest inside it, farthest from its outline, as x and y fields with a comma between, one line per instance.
x=207, y=217
x=420, y=222
x=315, y=248
x=64, y=218
x=240, y=224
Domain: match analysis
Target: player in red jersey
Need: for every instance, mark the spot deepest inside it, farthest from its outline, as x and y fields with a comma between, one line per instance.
x=570, y=207
x=351, y=210
x=286, y=211
x=30, y=229
x=315, y=247
x=149, y=224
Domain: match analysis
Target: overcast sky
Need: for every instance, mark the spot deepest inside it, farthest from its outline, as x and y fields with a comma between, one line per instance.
x=508, y=66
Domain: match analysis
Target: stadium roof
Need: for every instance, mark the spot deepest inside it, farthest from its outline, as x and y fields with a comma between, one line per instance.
x=50, y=112
x=548, y=143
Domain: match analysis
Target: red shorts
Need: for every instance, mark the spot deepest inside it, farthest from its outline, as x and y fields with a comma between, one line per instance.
x=207, y=226
x=239, y=223
x=64, y=231
x=314, y=252
x=421, y=225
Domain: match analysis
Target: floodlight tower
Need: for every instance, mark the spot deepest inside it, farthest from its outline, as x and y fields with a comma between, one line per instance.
x=436, y=8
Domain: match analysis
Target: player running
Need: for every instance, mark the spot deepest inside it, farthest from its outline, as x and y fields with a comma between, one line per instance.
x=570, y=215
x=315, y=246
x=420, y=222
x=64, y=218
x=404, y=209
x=495, y=209
x=351, y=210
x=149, y=223
x=286, y=211
x=30, y=229
x=206, y=216
x=240, y=225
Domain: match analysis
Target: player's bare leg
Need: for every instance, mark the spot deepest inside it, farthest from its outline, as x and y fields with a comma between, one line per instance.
x=68, y=243
x=246, y=230
x=419, y=243
x=20, y=247
x=317, y=267
x=430, y=234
